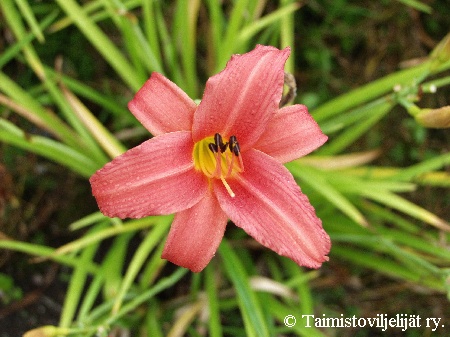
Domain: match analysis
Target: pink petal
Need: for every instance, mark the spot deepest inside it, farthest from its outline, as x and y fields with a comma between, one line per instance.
x=241, y=99
x=161, y=106
x=196, y=234
x=156, y=177
x=291, y=134
x=270, y=207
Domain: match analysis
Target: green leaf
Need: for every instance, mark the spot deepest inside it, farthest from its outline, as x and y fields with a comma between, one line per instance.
x=48, y=148
x=351, y=134
x=46, y=253
x=185, y=31
x=253, y=28
x=138, y=260
x=28, y=14
x=417, y=5
x=103, y=137
x=139, y=299
x=397, y=202
x=12, y=51
x=318, y=181
x=235, y=22
x=130, y=226
x=384, y=265
x=76, y=286
x=214, y=322
x=35, y=112
x=370, y=91
x=251, y=309
x=102, y=42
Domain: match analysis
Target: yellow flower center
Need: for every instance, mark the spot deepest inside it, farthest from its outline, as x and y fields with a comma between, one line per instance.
x=217, y=159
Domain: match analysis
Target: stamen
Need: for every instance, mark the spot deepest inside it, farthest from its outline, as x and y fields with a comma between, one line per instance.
x=236, y=150
x=218, y=150
x=241, y=163
x=218, y=141
x=230, y=166
x=218, y=171
x=232, y=143
x=213, y=147
x=230, y=192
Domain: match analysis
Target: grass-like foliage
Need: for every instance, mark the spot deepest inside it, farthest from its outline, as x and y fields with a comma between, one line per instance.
x=68, y=69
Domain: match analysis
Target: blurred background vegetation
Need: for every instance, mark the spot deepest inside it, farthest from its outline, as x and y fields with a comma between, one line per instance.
x=67, y=71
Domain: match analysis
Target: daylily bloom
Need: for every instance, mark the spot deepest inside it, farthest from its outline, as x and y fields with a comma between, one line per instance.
x=220, y=160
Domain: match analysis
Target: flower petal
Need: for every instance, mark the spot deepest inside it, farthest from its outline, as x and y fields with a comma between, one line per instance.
x=270, y=207
x=291, y=134
x=241, y=99
x=161, y=106
x=156, y=177
x=196, y=234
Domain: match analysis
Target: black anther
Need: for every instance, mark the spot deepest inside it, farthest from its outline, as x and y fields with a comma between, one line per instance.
x=219, y=145
x=234, y=146
x=219, y=142
x=213, y=147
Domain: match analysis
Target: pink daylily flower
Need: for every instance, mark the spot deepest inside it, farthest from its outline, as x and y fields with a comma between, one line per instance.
x=220, y=160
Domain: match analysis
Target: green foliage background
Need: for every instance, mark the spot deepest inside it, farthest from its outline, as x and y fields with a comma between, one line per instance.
x=380, y=185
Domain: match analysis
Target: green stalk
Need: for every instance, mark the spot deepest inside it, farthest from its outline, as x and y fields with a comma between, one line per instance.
x=287, y=34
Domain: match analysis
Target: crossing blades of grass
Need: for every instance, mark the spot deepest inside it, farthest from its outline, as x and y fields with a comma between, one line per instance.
x=319, y=183
x=251, y=308
x=102, y=43
x=48, y=148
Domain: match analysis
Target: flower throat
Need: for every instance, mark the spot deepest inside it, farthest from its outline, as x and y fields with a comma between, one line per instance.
x=217, y=159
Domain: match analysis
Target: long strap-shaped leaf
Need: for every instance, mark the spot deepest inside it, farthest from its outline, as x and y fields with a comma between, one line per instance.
x=251, y=309
x=103, y=44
